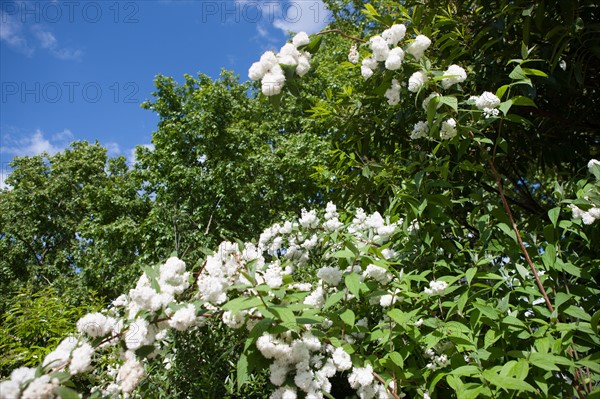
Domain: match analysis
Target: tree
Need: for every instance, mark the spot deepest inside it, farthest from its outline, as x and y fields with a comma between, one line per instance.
x=473, y=272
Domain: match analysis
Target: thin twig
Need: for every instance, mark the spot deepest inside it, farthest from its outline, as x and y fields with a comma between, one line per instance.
x=389, y=388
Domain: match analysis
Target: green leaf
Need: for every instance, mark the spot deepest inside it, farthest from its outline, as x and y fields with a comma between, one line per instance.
x=507, y=383
x=370, y=10
x=578, y=313
x=397, y=359
x=470, y=274
x=285, y=315
x=348, y=317
x=594, y=321
x=553, y=214
x=333, y=299
x=523, y=101
x=242, y=370
x=352, y=282
x=344, y=253
x=67, y=393
x=242, y=303
x=501, y=90
x=534, y=72
x=548, y=361
x=467, y=371
x=507, y=230
x=505, y=106
x=517, y=73
x=314, y=44
x=450, y=101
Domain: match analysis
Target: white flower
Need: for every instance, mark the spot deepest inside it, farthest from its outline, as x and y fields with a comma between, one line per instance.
x=379, y=47
x=419, y=323
x=587, y=218
x=394, y=34
x=61, y=354
x=361, y=376
x=184, y=318
x=490, y=112
x=387, y=300
x=416, y=81
x=96, y=324
x=301, y=39
x=487, y=100
x=379, y=274
x=435, y=287
x=418, y=46
x=234, y=320
x=303, y=66
x=420, y=130
x=330, y=274
x=316, y=298
x=455, y=74
x=353, y=54
x=394, y=59
x=341, y=359
x=130, y=374
x=81, y=359
x=41, y=388
x=9, y=389
x=272, y=82
x=393, y=93
x=591, y=164
x=273, y=275
x=366, y=72
x=448, y=129
x=309, y=220
x=368, y=66
x=426, y=101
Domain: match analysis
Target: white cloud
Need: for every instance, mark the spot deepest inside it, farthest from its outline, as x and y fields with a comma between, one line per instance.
x=3, y=176
x=36, y=144
x=48, y=41
x=112, y=149
x=26, y=41
x=131, y=158
x=11, y=32
x=308, y=16
x=63, y=136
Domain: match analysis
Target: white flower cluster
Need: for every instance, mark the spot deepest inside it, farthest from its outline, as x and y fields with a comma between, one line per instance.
x=435, y=287
x=23, y=384
x=487, y=102
x=362, y=380
x=437, y=362
x=588, y=217
x=393, y=93
x=372, y=227
x=268, y=70
x=380, y=46
x=353, y=55
x=301, y=358
x=416, y=81
x=453, y=75
x=448, y=130
x=593, y=213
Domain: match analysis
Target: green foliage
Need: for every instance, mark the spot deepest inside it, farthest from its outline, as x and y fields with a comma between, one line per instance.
x=36, y=321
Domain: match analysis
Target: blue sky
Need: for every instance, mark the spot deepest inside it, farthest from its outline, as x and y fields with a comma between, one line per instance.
x=79, y=70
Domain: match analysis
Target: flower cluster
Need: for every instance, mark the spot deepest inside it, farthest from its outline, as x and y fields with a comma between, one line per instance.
x=592, y=213
x=488, y=103
x=269, y=71
x=380, y=46
x=436, y=287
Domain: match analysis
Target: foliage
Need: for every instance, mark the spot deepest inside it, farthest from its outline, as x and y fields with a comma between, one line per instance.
x=479, y=280
x=36, y=321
